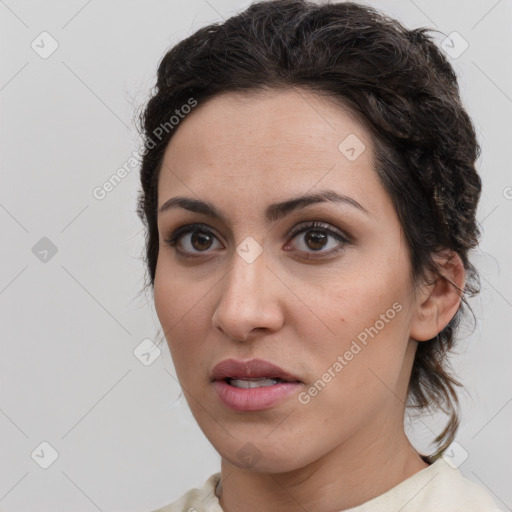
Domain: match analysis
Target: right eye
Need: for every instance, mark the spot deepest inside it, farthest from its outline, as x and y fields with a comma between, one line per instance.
x=192, y=240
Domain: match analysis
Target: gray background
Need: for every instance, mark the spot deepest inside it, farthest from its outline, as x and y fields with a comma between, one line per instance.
x=70, y=321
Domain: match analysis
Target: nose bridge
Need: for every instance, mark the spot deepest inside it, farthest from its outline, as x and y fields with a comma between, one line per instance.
x=247, y=301
x=244, y=276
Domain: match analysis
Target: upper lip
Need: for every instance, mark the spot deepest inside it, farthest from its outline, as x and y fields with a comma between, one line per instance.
x=253, y=368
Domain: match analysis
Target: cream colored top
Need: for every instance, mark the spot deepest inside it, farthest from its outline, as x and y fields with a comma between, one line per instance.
x=437, y=488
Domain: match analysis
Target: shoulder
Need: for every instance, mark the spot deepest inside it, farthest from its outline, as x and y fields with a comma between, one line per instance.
x=197, y=500
x=450, y=487
x=437, y=487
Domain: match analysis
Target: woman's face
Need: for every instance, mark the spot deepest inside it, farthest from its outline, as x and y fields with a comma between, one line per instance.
x=330, y=304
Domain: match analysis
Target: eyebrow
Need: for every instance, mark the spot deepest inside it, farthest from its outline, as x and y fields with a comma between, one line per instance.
x=273, y=212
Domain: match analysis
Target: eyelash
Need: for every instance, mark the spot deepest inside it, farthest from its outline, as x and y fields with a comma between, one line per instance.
x=174, y=238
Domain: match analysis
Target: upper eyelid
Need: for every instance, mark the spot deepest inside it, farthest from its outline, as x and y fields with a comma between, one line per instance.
x=195, y=226
x=326, y=226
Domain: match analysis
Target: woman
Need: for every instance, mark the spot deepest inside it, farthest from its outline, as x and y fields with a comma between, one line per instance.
x=309, y=193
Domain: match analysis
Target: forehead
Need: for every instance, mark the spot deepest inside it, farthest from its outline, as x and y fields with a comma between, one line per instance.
x=277, y=142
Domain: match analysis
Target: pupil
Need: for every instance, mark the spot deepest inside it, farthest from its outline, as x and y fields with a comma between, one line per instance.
x=317, y=238
x=202, y=239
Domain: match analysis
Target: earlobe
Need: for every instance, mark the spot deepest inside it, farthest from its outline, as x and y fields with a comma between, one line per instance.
x=439, y=299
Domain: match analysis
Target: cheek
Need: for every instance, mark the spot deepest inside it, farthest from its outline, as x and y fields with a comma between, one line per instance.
x=368, y=322
x=183, y=312
x=165, y=298
x=171, y=305
x=175, y=296
x=363, y=304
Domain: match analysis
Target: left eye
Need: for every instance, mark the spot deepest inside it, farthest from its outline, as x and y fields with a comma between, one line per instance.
x=319, y=237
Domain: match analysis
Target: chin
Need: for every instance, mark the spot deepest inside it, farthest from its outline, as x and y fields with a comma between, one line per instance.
x=265, y=456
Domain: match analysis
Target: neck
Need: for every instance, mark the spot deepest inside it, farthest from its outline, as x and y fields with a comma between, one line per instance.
x=344, y=478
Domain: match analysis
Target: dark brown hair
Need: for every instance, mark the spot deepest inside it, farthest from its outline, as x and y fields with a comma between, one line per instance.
x=403, y=89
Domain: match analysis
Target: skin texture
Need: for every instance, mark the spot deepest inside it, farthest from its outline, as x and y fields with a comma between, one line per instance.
x=347, y=444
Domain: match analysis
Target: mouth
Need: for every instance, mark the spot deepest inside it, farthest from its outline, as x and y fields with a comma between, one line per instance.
x=252, y=385
x=251, y=373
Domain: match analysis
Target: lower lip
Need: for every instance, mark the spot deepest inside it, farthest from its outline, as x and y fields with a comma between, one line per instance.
x=254, y=399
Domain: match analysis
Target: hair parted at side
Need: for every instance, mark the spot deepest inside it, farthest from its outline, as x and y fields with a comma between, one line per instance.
x=399, y=85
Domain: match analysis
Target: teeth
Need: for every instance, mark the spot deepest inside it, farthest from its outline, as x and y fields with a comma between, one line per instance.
x=252, y=383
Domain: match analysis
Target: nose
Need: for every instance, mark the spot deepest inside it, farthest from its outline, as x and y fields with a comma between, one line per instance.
x=250, y=301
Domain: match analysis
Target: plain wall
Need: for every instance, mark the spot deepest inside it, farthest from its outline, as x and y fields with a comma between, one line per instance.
x=70, y=304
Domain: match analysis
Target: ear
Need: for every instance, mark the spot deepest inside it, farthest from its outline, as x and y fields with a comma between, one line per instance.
x=439, y=299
